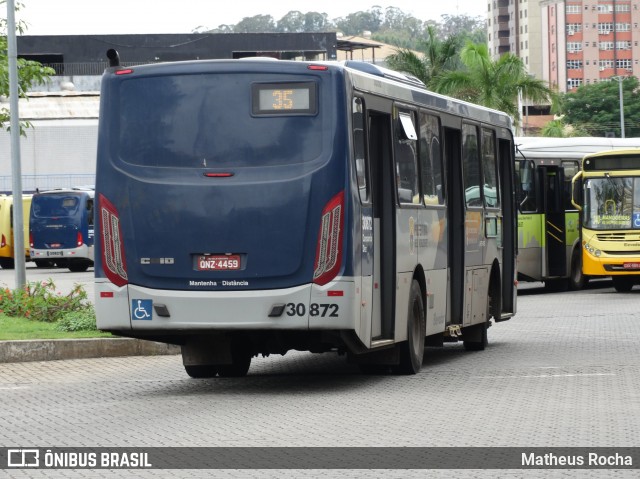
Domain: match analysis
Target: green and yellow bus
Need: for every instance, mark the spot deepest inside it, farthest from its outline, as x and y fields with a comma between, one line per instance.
x=548, y=223
x=607, y=192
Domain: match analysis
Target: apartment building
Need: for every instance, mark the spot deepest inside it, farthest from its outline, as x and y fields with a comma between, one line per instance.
x=515, y=26
x=568, y=43
x=591, y=41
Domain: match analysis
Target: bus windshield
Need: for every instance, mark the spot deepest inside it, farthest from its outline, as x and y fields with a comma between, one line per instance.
x=209, y=121
x=612, y=203
x=53, y=206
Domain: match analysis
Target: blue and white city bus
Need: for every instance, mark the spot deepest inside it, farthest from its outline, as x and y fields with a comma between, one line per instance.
x=251, y=207
x=61, y=228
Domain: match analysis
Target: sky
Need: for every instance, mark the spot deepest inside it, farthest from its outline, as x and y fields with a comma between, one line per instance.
x=86, y=17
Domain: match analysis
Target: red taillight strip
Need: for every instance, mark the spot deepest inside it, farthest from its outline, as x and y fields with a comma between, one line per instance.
x=329, y=249
x=112, y=247
x=127, y=71
x=218, y=175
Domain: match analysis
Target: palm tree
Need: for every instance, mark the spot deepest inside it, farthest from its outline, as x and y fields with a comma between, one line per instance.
x=439, y=56
x=494, y=84
x=559, y=129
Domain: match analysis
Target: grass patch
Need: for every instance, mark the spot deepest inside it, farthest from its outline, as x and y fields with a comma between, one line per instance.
x=23, y=328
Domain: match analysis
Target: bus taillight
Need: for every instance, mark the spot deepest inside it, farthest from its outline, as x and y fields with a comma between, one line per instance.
x=79, y=239
x=113, y=260
x=3, y=242
x=30, y=239
x=329, y=249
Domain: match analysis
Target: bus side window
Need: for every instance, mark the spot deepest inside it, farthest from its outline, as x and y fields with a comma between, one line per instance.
x=527, y=200
x=490, y=169
x=406, y=161
x=471, y=165
x=570, y=170
x=90, y=211
x=430, y=160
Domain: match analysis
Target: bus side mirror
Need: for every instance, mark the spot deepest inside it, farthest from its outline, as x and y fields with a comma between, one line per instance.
x=576, y=191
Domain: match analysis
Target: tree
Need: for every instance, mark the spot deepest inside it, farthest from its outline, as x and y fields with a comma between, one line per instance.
x=316, y=22
x=439, y=56
x=473, y=29
x=494, y=84
x=356, y=23
x=29, y=72
x=558, y=128
x=256, y=24
x=292, y=22
x=596, y=107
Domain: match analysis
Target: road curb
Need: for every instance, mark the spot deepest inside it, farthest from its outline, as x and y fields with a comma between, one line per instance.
x=58, y=349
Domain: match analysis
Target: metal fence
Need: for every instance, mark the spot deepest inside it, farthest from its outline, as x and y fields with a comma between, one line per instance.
x=31, y=183
x=85, y=68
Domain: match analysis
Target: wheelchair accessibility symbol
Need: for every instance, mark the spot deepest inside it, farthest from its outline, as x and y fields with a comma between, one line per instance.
x=636, y=220
x=142, y=309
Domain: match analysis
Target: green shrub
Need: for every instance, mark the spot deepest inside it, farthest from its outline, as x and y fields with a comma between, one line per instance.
x=41, y=302
x=84, y=320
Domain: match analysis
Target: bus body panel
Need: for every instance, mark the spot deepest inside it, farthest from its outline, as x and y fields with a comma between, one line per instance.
x=236, y=199
x=7, y=253
x=305, y=307
x=620, y=253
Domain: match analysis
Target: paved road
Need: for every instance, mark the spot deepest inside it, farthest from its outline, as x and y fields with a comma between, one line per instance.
x=564, y=372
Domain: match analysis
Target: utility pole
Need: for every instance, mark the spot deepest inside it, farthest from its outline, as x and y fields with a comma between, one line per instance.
x=620, y=79
x=16, y=170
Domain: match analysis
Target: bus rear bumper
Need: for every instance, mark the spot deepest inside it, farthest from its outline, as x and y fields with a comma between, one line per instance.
x=306, y=307
x=81, y=252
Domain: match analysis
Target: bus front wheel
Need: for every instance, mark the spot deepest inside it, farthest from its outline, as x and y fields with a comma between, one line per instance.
x=577, y=280
x=412, y=350
x=623, y=284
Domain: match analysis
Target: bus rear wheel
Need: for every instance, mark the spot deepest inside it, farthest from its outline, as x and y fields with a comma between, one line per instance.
x=412, y=350
x=202, y=371
x=623, y=284
x=475, y=338
x=239, y=368
x=79, y=265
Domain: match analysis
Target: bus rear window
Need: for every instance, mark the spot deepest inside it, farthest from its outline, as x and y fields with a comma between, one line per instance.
x=52, y=206
x=208, y=121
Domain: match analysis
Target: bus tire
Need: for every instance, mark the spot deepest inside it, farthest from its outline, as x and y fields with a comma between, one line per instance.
x=238, y=368
x=412, y=350
x=556, y=285
x=44, y=263
x=201, y=371
x=78, y=266
x=577, y=280
x=623, y=284
x=477, y=334
x=7, y=263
